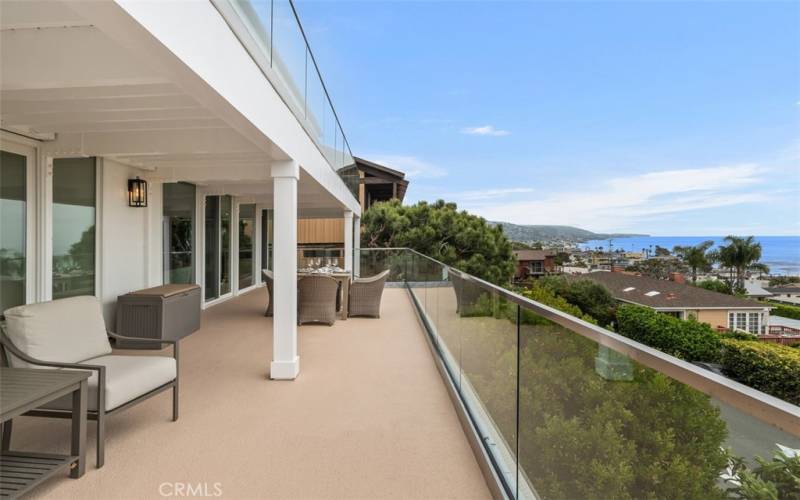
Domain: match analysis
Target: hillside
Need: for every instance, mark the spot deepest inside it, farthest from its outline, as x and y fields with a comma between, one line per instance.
x=524, y=233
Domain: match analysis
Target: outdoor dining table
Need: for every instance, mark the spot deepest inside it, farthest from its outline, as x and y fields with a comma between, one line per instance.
x=343, y=277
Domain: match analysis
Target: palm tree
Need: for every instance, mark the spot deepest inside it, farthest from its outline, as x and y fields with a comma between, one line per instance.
x=759, y=268
x=696, y=257
x=739, y=255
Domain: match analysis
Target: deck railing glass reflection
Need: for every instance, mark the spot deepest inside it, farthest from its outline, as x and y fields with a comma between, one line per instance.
x=271, y=32
x=566, y=409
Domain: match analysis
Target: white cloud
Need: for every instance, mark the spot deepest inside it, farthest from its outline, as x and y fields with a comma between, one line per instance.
x=485, y=130
x=620, y=202
x=413, y=167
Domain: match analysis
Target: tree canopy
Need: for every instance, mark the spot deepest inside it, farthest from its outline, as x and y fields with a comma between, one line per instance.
x=697, y=257
x=739, y=255
x=441, y=231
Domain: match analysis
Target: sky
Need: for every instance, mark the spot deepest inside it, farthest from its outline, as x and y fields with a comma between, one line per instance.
x=665, y=118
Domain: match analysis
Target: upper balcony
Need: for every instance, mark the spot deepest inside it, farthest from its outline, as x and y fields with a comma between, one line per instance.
x=271, y=32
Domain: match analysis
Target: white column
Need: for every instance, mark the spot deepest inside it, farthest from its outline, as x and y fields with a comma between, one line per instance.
x=285, y=360
x=348, y=240
x=357, y=245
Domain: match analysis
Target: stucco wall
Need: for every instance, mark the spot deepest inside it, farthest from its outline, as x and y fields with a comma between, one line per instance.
x=129, y=245
x=714, y=317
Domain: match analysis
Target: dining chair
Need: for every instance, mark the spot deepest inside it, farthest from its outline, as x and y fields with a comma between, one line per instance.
x=316, y=300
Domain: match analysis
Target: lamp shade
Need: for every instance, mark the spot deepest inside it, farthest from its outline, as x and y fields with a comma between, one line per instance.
x=137, y=192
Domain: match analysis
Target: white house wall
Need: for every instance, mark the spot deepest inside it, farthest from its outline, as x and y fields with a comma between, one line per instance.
x=125, y=244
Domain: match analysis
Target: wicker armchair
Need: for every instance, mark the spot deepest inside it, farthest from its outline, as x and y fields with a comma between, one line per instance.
x=268, y=280
x=316, y=300
x=365, y=295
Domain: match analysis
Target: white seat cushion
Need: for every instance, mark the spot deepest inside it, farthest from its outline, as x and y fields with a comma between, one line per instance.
x=127, y=377
x=65, y=330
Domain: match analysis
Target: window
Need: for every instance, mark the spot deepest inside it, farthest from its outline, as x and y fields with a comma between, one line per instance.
x=266, y=239
x=217, y=246
x=179, y=206
x=247, y=226
x=537, y=267
x=674, y=314
x=74, y=218
x=745, y=321
x=652, y=293
x=225, y=244
x=13, y=214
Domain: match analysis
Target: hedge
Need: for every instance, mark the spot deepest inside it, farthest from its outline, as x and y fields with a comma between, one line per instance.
x=785, y=310
x=689, y=340
x=770, y=368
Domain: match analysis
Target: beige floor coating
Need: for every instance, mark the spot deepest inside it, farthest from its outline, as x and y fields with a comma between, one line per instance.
x=369, y=417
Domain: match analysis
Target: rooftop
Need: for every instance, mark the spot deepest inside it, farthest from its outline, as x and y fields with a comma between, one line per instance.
x=783, y=289
x=657, y=293
x=368, y=417
x=533, y=254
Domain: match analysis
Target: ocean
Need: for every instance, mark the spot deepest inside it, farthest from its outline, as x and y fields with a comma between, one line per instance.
x=780, y=253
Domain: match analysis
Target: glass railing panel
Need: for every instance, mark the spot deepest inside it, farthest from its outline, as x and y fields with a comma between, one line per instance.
x=448, y=324
x=593, y=423
x=482, y=325
x=271, y=32
x=316, y=104
x=289, y=55
x=415, y=281
x=431, y=276
x=256, y=15
x=372, y=261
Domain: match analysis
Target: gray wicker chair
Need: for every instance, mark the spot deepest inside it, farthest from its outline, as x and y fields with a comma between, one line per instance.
x=316, y=300
x=365, y=295
x=268, y=277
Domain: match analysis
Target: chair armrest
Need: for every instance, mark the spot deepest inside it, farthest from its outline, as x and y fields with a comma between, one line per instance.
x=139, y=339
x=9, y=346
x=174, y=343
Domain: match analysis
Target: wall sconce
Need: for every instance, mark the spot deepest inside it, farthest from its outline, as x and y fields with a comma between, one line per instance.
x=137, y=192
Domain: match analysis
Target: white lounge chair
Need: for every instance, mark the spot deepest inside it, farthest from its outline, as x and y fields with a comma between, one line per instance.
x=71, y=333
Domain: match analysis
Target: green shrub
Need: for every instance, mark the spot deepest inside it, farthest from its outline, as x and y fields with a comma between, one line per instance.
x=770, y=479
x=718, y=286
x=785, y=310
x=689, y=340
x=545, y=295
x=771, y=368
x=592, y=298
x=738, y=335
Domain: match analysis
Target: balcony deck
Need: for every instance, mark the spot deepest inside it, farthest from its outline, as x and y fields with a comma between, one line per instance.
x=368, y=417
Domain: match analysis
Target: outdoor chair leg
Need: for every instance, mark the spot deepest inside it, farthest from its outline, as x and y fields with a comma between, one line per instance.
x=7, y=435
x=175, y=402
x=101, y=438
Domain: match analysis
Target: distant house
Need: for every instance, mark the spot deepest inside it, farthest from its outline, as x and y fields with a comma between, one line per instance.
x=790, y=294
x=684, y=301
x=534, y=263
x=754, y=289
x=323, y=237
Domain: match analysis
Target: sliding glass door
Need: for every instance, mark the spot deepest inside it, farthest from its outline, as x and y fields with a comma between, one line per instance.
x=225, y=216
x=74, y=219
x=266, y=239
x=247, y=228
x=217, y=247
x=179, y=254
x=13, y=229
